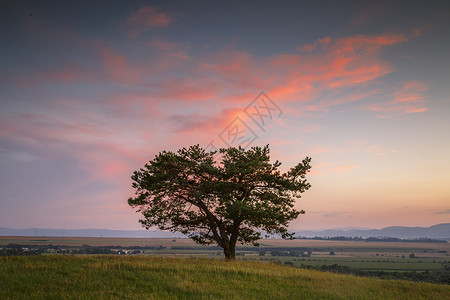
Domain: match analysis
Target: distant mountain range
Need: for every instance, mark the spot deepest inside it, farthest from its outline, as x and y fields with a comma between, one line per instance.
x=441, y=231
x=436, y=231
x=89, y=233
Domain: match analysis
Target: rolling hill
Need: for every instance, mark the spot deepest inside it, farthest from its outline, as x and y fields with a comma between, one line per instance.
x=143, y=277
x=441, y=231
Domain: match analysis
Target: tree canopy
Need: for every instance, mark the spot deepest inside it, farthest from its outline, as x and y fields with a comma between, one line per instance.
x=222, y=202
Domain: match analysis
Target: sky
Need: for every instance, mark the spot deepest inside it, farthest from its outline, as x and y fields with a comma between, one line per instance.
x=92, y=90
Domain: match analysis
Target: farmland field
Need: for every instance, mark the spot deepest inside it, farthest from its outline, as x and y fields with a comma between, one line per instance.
x=361, y=255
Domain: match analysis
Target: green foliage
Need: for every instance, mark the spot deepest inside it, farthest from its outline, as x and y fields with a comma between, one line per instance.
x=219, y=202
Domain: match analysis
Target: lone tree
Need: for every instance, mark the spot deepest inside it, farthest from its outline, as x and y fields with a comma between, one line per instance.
x=219, y=202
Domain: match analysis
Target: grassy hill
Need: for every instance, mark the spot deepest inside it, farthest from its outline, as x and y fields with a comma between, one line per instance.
x=141, y=277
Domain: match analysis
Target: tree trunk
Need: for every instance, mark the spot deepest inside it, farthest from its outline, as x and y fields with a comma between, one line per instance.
x=230, y=252
x=233, y=251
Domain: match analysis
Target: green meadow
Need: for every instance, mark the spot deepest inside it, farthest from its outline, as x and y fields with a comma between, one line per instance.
x=146, y=277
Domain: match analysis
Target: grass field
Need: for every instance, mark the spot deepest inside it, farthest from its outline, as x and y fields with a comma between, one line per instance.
x=365, y=263
x=358, y=246
x=144, y=277
x=360, y=255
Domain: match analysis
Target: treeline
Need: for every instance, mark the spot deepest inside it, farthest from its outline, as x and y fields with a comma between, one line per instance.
x=21, y=250
x=18, y=252
x=373, y=239
x=305, y=252
x=438, y=276
x=246, y=248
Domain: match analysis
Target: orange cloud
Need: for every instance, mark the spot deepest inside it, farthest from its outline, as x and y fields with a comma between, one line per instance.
x=330, y=72
x=236, y=76
x=232, y=76
x=330, y=65
x=334, y=65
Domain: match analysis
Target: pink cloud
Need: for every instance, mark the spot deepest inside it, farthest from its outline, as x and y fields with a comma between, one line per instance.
x=205, y=126
x=104, y=151
x=216, y=80
x=331, y=65
x=119, y=68
x=145, y=18
x=336, y=64
x=367, y=14
x=114, y=66
x=232, y=76
x=410, y=92
x=407, y=99
x=235, y=71
x=164, y=45
x=67, y=74
x=415, y=109
x=318, y=42
x=325, y=167
x=73, y=73
x=187, y=89
x=363, y=145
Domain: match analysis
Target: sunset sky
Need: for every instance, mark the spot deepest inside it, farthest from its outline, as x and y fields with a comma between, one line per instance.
x=91, y=90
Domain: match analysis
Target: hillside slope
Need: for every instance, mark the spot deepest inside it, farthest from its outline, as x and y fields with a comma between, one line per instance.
x=436, y=231
x=139, y=277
